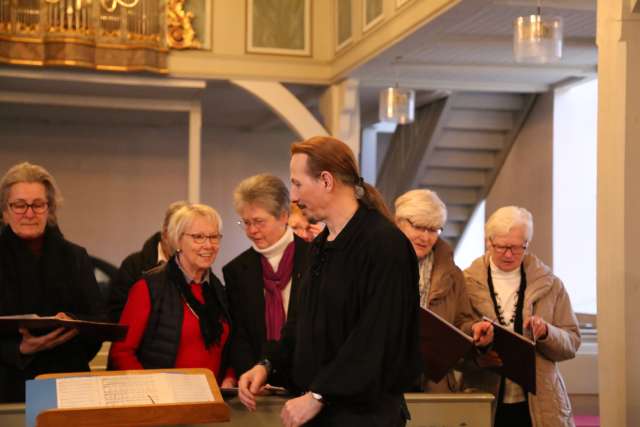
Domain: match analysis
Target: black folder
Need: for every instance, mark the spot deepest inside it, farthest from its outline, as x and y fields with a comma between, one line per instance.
x=518, y=354
x=442, y=345
x=39, y=325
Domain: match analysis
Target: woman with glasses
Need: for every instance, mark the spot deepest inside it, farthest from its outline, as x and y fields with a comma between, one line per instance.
x=516, y=289
x=41, y=273
x=421, y=215
x=262, y=282
x=177, y=314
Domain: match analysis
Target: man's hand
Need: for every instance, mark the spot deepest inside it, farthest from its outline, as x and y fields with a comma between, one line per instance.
x=538, y=327
x=250, y=384
x=31, y=344
x=482, y=333
x=298, y=411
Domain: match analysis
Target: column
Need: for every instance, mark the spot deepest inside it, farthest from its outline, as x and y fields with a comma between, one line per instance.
x=618, y=212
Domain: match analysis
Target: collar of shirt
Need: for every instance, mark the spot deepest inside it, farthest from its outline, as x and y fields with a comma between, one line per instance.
x=190, y=279
x=162, y=257
x=347, y=233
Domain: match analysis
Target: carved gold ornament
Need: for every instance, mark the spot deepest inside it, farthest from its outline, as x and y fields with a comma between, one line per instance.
x=180, y=32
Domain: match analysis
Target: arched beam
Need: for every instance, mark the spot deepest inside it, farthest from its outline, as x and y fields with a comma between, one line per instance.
x=285, y=105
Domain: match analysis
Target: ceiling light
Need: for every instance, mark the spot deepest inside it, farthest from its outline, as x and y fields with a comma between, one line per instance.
x=537, y=38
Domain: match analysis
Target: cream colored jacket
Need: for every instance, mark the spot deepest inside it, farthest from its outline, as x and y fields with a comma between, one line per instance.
x=546, y=297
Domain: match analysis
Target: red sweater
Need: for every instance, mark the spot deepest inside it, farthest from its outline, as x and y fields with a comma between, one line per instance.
x=192, y=352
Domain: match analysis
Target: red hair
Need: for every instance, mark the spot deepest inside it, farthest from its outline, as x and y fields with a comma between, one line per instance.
x=326, y=153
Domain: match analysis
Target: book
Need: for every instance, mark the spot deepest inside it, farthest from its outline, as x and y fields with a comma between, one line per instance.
x=166, y=397
x=518, y=355
x=40, y=325
x=442, y=345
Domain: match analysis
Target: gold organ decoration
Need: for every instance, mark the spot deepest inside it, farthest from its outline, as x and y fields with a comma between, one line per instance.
x=113, y=35
x=180, y=32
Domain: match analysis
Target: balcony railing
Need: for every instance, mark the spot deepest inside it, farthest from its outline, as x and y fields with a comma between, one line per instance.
x=115, y=35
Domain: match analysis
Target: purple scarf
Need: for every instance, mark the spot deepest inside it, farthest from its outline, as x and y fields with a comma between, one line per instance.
x=274, y=283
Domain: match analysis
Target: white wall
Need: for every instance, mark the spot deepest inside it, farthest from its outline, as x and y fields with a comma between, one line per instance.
x=526, y=177
x=574, y=192
x=117, y=181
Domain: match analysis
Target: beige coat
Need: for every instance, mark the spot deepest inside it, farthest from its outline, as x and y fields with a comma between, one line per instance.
x=546, y=297
x=448, y=299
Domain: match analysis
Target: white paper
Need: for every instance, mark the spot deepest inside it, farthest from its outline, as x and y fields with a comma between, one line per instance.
x=142, y=389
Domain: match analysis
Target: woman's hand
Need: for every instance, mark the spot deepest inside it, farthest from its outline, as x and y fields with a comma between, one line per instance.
x=33, y=344
x=298, y=411
x=490, y=359
x=482, y=333
x=537, y=326
x=250, y=384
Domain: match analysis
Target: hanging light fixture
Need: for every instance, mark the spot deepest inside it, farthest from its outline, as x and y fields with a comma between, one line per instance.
x=537, y=39
x=396, y=104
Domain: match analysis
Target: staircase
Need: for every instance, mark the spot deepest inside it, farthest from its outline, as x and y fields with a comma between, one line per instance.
x=456, y=147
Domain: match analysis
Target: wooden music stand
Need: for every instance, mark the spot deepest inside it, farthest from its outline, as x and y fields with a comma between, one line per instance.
x=138, y=415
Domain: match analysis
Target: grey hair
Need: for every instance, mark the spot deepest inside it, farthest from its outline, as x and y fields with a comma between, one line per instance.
x=421, y=207
x=27, y=172
x=185, y=216
x=173, y=208
x=506, y=218
x=265, y=190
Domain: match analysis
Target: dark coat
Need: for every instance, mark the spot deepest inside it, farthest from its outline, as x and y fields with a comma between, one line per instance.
x=244, y=284
x=130, y=272
x=61, y=280
x=354, y=336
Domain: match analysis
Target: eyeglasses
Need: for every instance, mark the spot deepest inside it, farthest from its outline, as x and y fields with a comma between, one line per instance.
x=423, y=229
x=258, y=223
x=200, y=238
x=516, y=250
x=38, y=206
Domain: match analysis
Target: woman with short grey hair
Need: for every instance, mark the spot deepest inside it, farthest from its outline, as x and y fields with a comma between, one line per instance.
x=41, y=273
x=517, y=289
x=262, y=281
x=421, y=216
x=177, y=314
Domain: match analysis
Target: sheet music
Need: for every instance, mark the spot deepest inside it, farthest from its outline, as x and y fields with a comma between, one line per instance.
x=142, y=389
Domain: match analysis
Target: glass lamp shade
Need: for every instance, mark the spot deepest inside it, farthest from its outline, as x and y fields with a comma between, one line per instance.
x=537, y=39
x=397, y=105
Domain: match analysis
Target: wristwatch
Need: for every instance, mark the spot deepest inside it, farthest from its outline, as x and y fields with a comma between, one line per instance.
x=317, y=396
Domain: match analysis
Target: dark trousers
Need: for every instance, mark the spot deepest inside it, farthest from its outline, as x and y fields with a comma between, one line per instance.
x=513, y=415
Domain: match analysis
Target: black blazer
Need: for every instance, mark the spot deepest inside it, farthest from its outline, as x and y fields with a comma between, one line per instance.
x=244, y=284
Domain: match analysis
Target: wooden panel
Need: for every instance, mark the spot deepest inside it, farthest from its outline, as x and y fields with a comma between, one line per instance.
x=479, y=140
x=483, y=120
x=462, y=159
x=448, y=177
x=488, y=101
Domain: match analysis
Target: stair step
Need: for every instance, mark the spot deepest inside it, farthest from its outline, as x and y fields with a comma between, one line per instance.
x=461, y=159
x=480, y=140
x=453, y=229
x=459, y=212
x=488, y=101
x=480, y=120
x=457, y=196
x=449, y=177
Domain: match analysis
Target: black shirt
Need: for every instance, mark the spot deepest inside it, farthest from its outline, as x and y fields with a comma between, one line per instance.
x=354, y=334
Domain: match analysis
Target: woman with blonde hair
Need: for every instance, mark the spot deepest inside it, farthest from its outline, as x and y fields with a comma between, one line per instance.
x=178, y=315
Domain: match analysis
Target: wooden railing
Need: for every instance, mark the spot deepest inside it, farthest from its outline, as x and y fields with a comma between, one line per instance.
x=114, y=35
